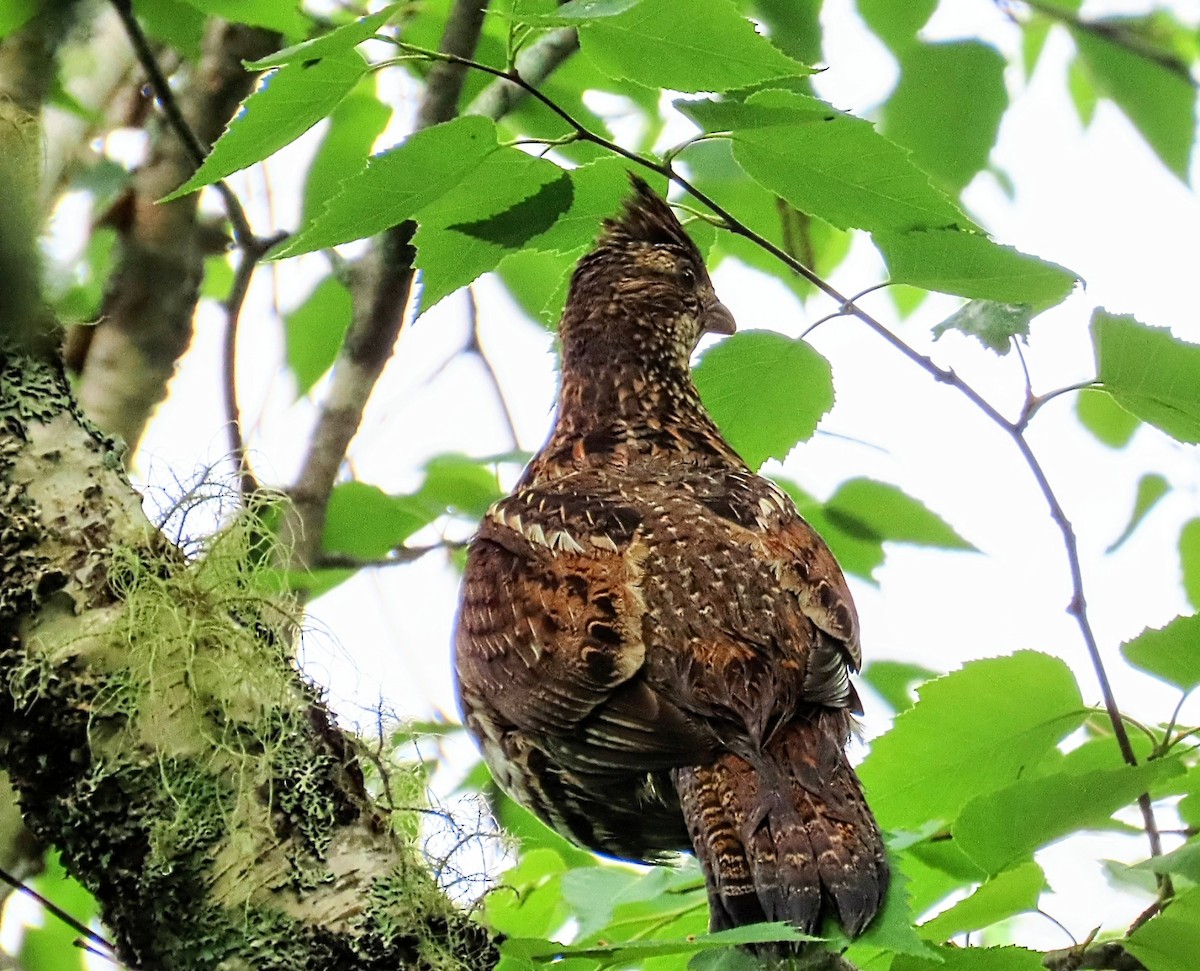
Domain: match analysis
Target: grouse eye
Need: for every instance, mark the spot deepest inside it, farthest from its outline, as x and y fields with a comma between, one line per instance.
x=687, y=276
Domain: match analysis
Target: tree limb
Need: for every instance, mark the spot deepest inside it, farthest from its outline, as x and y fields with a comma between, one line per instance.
x=160, y=737
x=146, y=316
x=380, y=286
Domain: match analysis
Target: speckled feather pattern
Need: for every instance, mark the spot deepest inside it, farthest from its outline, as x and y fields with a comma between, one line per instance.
x=653, y=649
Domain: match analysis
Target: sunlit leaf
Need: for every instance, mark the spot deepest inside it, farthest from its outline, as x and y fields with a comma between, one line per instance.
x=972, y=732
x=971, y=265
x=827, y=163
x=315, y=331
x=1150, y=373
x=1049, y=807
x=365, y=522
x=1159, y=100
x=1008, y=893
x=949, y=958
x=886, y=511
x=1151, y=488
x=1104, y=418
x=353, y=127
x=340, y=40
x=1189, y=560
x=1170, y=941
x=286, y=18
x=947, y=107
x=1171, y=653
x=684, y=45
x=895, y=681
x=399, y=183
x=896, y=24
x=766, y=392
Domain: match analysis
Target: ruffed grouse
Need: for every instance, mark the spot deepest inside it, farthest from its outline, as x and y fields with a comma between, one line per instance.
x=653, y=648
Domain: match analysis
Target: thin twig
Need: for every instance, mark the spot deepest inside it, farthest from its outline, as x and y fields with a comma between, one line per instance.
x=1119, y=34
x=474, y=346
x=58, y=912
x=242, y=232
x=252, y=254
x=1077, y=606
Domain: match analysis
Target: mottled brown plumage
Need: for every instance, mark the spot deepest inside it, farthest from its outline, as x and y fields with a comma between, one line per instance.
x=654, y=649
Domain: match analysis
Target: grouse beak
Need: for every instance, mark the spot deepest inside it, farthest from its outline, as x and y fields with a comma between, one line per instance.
x=715, y=318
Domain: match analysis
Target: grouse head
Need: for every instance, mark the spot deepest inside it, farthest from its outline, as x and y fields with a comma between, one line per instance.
x=642, y=293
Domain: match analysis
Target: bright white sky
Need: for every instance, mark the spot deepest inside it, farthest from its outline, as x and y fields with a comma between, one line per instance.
x=1096, y=201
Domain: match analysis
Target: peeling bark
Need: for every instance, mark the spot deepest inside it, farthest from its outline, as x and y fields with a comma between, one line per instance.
x=158, y=734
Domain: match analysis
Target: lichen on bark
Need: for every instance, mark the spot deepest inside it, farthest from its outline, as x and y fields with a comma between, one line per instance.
x=158, y=732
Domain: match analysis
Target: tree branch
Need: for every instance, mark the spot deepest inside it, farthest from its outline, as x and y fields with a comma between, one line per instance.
x=534, y=64
x=1119, y=34
x=1106, y=956
x=160, y=736
x=381, y=286
x=146, y=315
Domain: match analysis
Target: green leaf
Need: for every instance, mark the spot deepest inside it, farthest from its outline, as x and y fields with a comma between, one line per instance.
x=288, y=103
x=455, y=247
x=1104, y=418
x=365, y=522
x=766, y=392
x=883, y=510
x=1171, y=653
x=1184, y=861
x=1005, y=895
x=399, y=183
x=15, y=13
x=1189, y=560
x=538, y=282
x=794, y=26
x=896, y=24
x=594, y=892
x=598, y=191
x=315, y=331
x=947, y=108
x=949, y=958
x=764, y=933
x=527, y=900
x=827, y=163
x=1151, y=488
x=1082, y=92
x=354, y=125
x=340, y=40
x=576, y=13
x=174, y=22
x=894, y=681
x=684, y=45
x=817, y=244
x=1150, y=373
x=858, y=551
x=973, y=731
x=1170, y=941
x=459, y=484
x=1159, y=101
x=1049, y=808
x=971, y=265
x=271, y=14
x=52, y=945
x=993, y=324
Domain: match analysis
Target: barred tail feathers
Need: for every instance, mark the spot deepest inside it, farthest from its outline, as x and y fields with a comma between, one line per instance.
x=788, y=837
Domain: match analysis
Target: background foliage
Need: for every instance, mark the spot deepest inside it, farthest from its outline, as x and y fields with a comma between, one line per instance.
x=983, y=767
